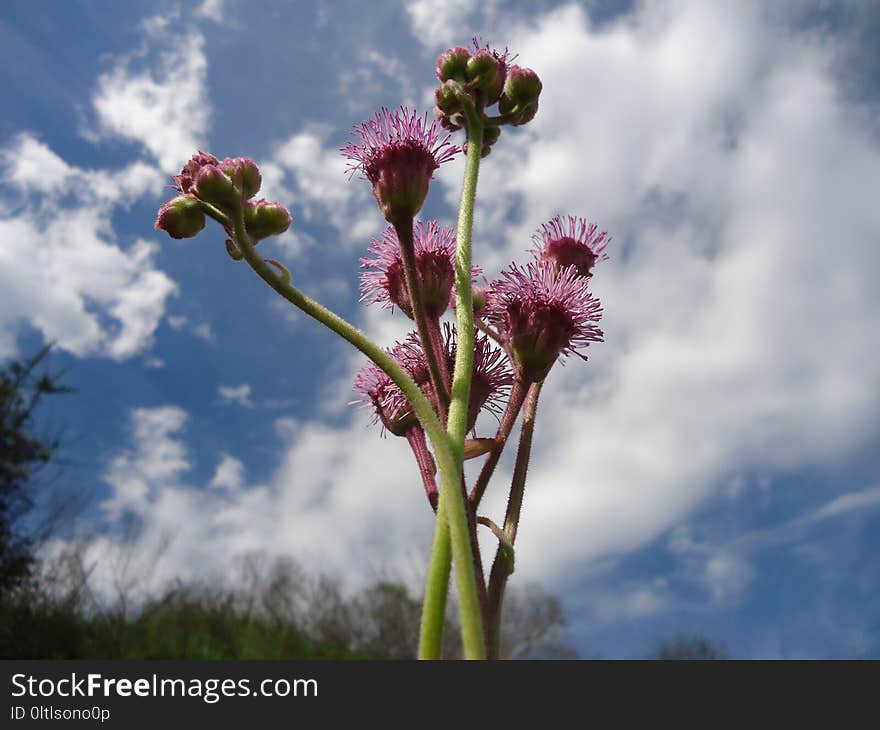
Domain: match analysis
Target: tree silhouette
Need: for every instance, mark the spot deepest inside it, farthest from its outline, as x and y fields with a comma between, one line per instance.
x=22, y=454
x=688, y=646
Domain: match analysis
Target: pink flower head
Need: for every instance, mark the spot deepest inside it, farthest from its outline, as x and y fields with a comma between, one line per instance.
x=571, y=241
x=187, y=176
x=398, y=153
x=543, y=312
x=383, y=280
x=390, y=406
x=491, y=378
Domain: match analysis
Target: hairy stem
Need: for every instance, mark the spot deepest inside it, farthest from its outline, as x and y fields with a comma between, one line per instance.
x=404, y=232
x=488, y=330
x=415, y=435
x=473, y=638
x=514, y=404
x=435, y=337
x=501, y=565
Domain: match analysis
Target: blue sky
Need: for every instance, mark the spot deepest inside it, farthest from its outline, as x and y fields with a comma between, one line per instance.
x=712, y=469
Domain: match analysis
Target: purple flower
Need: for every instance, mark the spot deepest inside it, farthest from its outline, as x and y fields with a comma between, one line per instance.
x=571, y=241
x=383, y=280
x=491, y=379
x=398, y=153
x=491, y=376
x=390, y=406
x=543, y=312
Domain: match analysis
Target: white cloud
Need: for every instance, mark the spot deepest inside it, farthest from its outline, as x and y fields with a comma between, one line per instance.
x=62, y=268
x=322, y=190
x=203, y=331
x=31, y=165
x=163, y=107
x=714, y=143
x=440, y=22
x=230, y=473
x=156, y=458
x=337, y=510
x=212, y=10
x=236, y=394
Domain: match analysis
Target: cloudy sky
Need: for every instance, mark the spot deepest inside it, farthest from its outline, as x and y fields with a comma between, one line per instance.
x=712, y=469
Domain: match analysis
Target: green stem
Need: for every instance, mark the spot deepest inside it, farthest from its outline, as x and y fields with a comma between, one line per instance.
x=464, y=307
x=436, y=589
x=448, y=463
x=451, y=494
x=501, y=566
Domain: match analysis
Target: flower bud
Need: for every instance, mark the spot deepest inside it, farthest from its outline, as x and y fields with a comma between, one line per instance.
x=187, y=175
x=263, y=219
x=213, y=186
x=482, y=70
x=447, y=99
x=181, y=217
x=522, y=86
x=245, y=175
x=449, y=122
x=452, y=64
x=490, y=137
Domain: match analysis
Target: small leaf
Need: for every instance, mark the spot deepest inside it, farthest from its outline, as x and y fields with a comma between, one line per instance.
x=477, y=447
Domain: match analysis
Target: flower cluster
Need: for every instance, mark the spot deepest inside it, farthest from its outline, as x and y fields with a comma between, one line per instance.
x=391, y=408
x=428, y=385
x=472, y=80
x=221, y=189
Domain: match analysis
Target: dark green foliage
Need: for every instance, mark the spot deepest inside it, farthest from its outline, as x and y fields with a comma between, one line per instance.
x=177, y=627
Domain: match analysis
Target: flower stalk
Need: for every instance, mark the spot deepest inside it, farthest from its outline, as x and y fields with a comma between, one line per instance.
x=470, y=612
x=404, y=232
x=501, y=567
